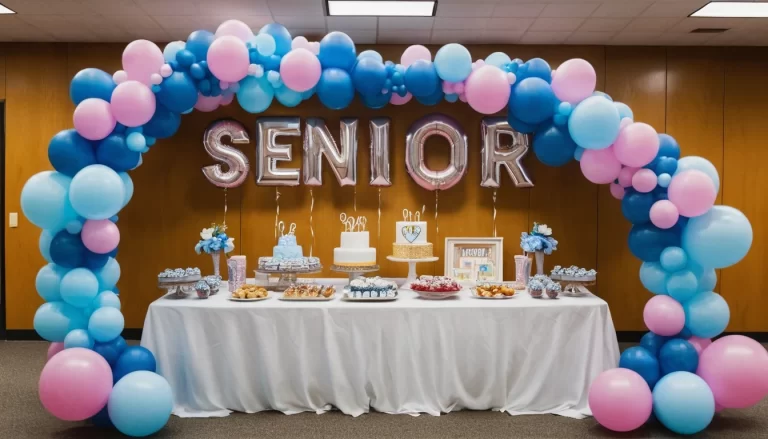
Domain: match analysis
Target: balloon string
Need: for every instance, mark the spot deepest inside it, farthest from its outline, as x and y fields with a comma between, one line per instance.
x=494, y=213
x=378, y=234
x=225, y=206
x=437, y=224
x=277, y=212
x=354, y=198
x=311, y=228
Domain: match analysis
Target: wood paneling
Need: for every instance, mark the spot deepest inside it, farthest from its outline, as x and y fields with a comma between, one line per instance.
x=2, y=74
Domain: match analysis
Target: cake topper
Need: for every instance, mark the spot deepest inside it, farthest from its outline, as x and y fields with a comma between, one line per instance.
x=409, y=216
x=353, y=224
x=281, y=228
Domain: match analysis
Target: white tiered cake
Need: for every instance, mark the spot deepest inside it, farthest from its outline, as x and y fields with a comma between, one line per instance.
x=355, y=250
x=411, y=238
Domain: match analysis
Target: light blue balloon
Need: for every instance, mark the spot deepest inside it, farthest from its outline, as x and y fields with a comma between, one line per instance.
x=602, y=94
x=700, y=164
x=707, y=277
x=265, y=44
x=498, y=59
x=673, y=259
x=74, y=227
x=682, y=285
x=136, y=142
x=255, y=94
x=719, y=238
x=54, y=320
x=288, y=97
x=706, y=314
x=171, y=49
x=683, y=402
x=79, y=287
x=106, y=299
x=128, y=185
x=48, y=282
x=578, y=152
x=45, y=200
x=44, y=243
x=97, y=192
x=105, y=324
x=78, y=338
x=140, y=403
x=664, y=180
x=594, y=123
x=108, y=275
x=624, y=110
x=653, y=277
x=453, y=62
x=371, y=54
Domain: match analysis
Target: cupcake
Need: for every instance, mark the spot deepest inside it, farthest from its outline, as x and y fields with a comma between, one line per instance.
x=536, y=288
x=553, y=290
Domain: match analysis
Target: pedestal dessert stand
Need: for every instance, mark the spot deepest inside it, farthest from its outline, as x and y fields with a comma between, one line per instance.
x=354, y=271
x=575, y=286
x=181, y=287
x=411, y=267
x=288, y=277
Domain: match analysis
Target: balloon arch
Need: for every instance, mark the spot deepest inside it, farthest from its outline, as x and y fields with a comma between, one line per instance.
x=677, y=232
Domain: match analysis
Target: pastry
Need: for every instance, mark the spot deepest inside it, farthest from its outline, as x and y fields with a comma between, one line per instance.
x=494, y=290
x=309, y=291
x=250, y=292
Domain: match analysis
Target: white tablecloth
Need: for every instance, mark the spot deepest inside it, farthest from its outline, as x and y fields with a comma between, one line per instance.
x=411, y=356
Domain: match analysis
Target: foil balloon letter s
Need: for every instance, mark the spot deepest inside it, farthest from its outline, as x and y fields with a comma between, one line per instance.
x=235, y=160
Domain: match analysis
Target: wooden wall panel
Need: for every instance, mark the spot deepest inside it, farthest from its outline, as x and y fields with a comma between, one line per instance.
x=2, y=74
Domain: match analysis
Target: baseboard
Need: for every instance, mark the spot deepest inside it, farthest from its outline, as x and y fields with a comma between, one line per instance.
x=635, y=336
x=31, y=334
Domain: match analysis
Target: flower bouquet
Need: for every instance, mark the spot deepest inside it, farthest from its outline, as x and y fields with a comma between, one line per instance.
x=540, y=242
x=212, y=241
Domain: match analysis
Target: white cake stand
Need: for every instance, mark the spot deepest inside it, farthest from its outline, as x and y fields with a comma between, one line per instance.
x=411, y=267
x=355, y=271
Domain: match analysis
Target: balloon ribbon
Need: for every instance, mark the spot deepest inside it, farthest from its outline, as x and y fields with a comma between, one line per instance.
x=494, y=213
x=378, y=234
x=311, y=228
x=277, y=212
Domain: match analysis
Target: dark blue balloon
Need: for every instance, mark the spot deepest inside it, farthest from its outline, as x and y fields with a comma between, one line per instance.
x=665, y=165
x=67, y=250
x=178, y=92
x=553, y=146
x=519, y=125
x=164, y=123
x=94, y=261
x=196, y=71
x=281, y=35
x=685, y=334
x=337, y=50
x=101, y=419
x=421, y=78
x=68, y=152
x=643, y=362
x=668, y=147
x=433, y=99
x=653, y=342
x=111, y=350
x=271, y=62
x=113, y=152
x=369, y=76
x=377, y=101
x=335, y=89
x=636, y=206
x=205, y=87
x=198, y=43
x=535, y=68
x=185, y=58
x=678, y=355
x=132, y=359
x=532, y=100
x=647, y=241
x=91, y=83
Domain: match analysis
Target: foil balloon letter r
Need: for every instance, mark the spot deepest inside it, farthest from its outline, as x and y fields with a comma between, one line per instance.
x=232, y=157
x=269, y=152
x=318, y=141
x=494, y=155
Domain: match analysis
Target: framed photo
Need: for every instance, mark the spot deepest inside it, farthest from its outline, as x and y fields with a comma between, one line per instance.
x=475, y=259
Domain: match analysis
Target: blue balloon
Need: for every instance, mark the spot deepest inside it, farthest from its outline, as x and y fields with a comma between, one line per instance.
x=68, y=152
x=281, y=35
x=682, y=285
x=643, y=362
x=594, y=123
x=668, y=146
x=48, y=282
x=171, y=49
x=106, y=324
x=498, y=59
x=78, y=338
x=128, y=188
x=265, y=44
x=337, y=50
x=553, y=146
x=101, y=419
x=683, y=402
x=706, y=314
x=270, y=62
x=91, y=83
x=369, y=76
x=164, y=123
x=370, y=54
x=67, y=250
x=74, y=226
x=453, y=62
x=134, y=358
x=185, y=58
x=108, y=275
x=519, y=125
x=578, y=152
x=602, y=94
x=45, y=200
x=377, y=100
x=54, y=320
x=665, y=165
x=699, y=164
x=707, y=277
x=97, y=192
x=79, y=287
x=140, y=404
x=44, y=244
x=196, y=71
x=453, y=97
x=335, y=89
x=94, y=261
x=678, y=355
x=288, y=97
x=532, y=100
x=255, y=94
x=114, y=152
x=653, y=342
x=647, y=241
x=106, y=298
x=624, y=110
x=535, y=68
x=421, y=78
x=719, y=238
x=136, y=142
x=198, y=43
x=204, y=86
x=653, y=278
x=111, y=350
x=177, y=92
x=433, y=99
x=636, y=206
x=673, y=259
x=664, y=180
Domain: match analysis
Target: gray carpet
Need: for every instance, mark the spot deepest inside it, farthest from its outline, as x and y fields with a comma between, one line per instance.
x=22, y=416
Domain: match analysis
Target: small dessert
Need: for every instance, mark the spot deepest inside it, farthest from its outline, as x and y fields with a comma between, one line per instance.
x=553, y=290
x=573, y=273
x=309, y=291
x=203, y=290
x=536, y=288
x=213, y=282
x=179, y=275
x=494, y=290
x=435, y=284
x=250, y=292
x=371, y=287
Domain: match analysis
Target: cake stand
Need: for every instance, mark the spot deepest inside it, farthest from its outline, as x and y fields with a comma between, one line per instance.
x=288, y=277
x=411, y=267
x=354, y=272
x=180, y=288
x=575, y=286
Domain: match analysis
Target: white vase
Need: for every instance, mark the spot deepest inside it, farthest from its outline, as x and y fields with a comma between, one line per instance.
x=539, y=262
x=216, y=256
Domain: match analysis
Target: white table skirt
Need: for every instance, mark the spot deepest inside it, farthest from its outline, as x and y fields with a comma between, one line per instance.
x=410, y=356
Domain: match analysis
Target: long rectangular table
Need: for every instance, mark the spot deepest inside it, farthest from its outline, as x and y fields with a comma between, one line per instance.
x=410, y=356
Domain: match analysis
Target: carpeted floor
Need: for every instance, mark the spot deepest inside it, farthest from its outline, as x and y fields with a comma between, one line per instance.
x=22, y=417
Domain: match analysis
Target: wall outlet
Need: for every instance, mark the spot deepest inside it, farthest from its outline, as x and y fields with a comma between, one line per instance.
x=13, y=219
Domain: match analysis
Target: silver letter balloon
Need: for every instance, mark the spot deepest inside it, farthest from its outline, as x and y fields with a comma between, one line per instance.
x=380, y=152
x=318, y=142
x=235, y=160
x=418, y=133
x=494, y=155
x=269, y=152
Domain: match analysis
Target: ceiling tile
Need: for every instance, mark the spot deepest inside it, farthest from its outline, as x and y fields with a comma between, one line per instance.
x=689, y=24
x=502, y=36
x=651, y=24
x=604, y=24
x=410, y=23
x=112, y=7
x=621, y=9
x=581, y=37
x=682, y=8
x=518, y=10
x=255, y=22
x=343, y=23
x=131, y=22
x=556, y=24
x=473, y=10
x=440, y=36
x=681, y=39
x=234, y=8
x=295, y=7
x=404, y=36
x=363, y=36
x=46, y=7
x=169, y=7
x=635, y=38
x=534, y=37
x=569, y=10
x=735, y=38
x=512, y=24
x=306, y=22
x=12, y=22
x=161, y=35
x=186, y=22
x=460, y=23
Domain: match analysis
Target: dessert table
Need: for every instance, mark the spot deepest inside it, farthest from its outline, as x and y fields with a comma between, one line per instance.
x=410, y=356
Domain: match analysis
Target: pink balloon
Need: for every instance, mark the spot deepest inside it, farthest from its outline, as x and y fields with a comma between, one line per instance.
x=133, y=103
x=75, y=384
x=487, y=89
x=699, y=343
x=234, y=28
x=664, y=315
x=600, y=165
x=637, y=144
x=625, y=122
x=54, y=349
x=120, y=76
x=664, y=214
x=625, y=176
x=100, y=236
x=575, y=81
x=226, y=100
x=693, y=192
x=300, y=70
x=617, y=191
x=736, y=369
x=620, y=400
x=644, y=180
x=413, y=54
x=93, y=119
x=142, y=58
x=228, y=59
x=207, y=103
x=396, y=99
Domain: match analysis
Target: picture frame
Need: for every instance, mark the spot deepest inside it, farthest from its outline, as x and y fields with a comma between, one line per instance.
x=475, y=259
